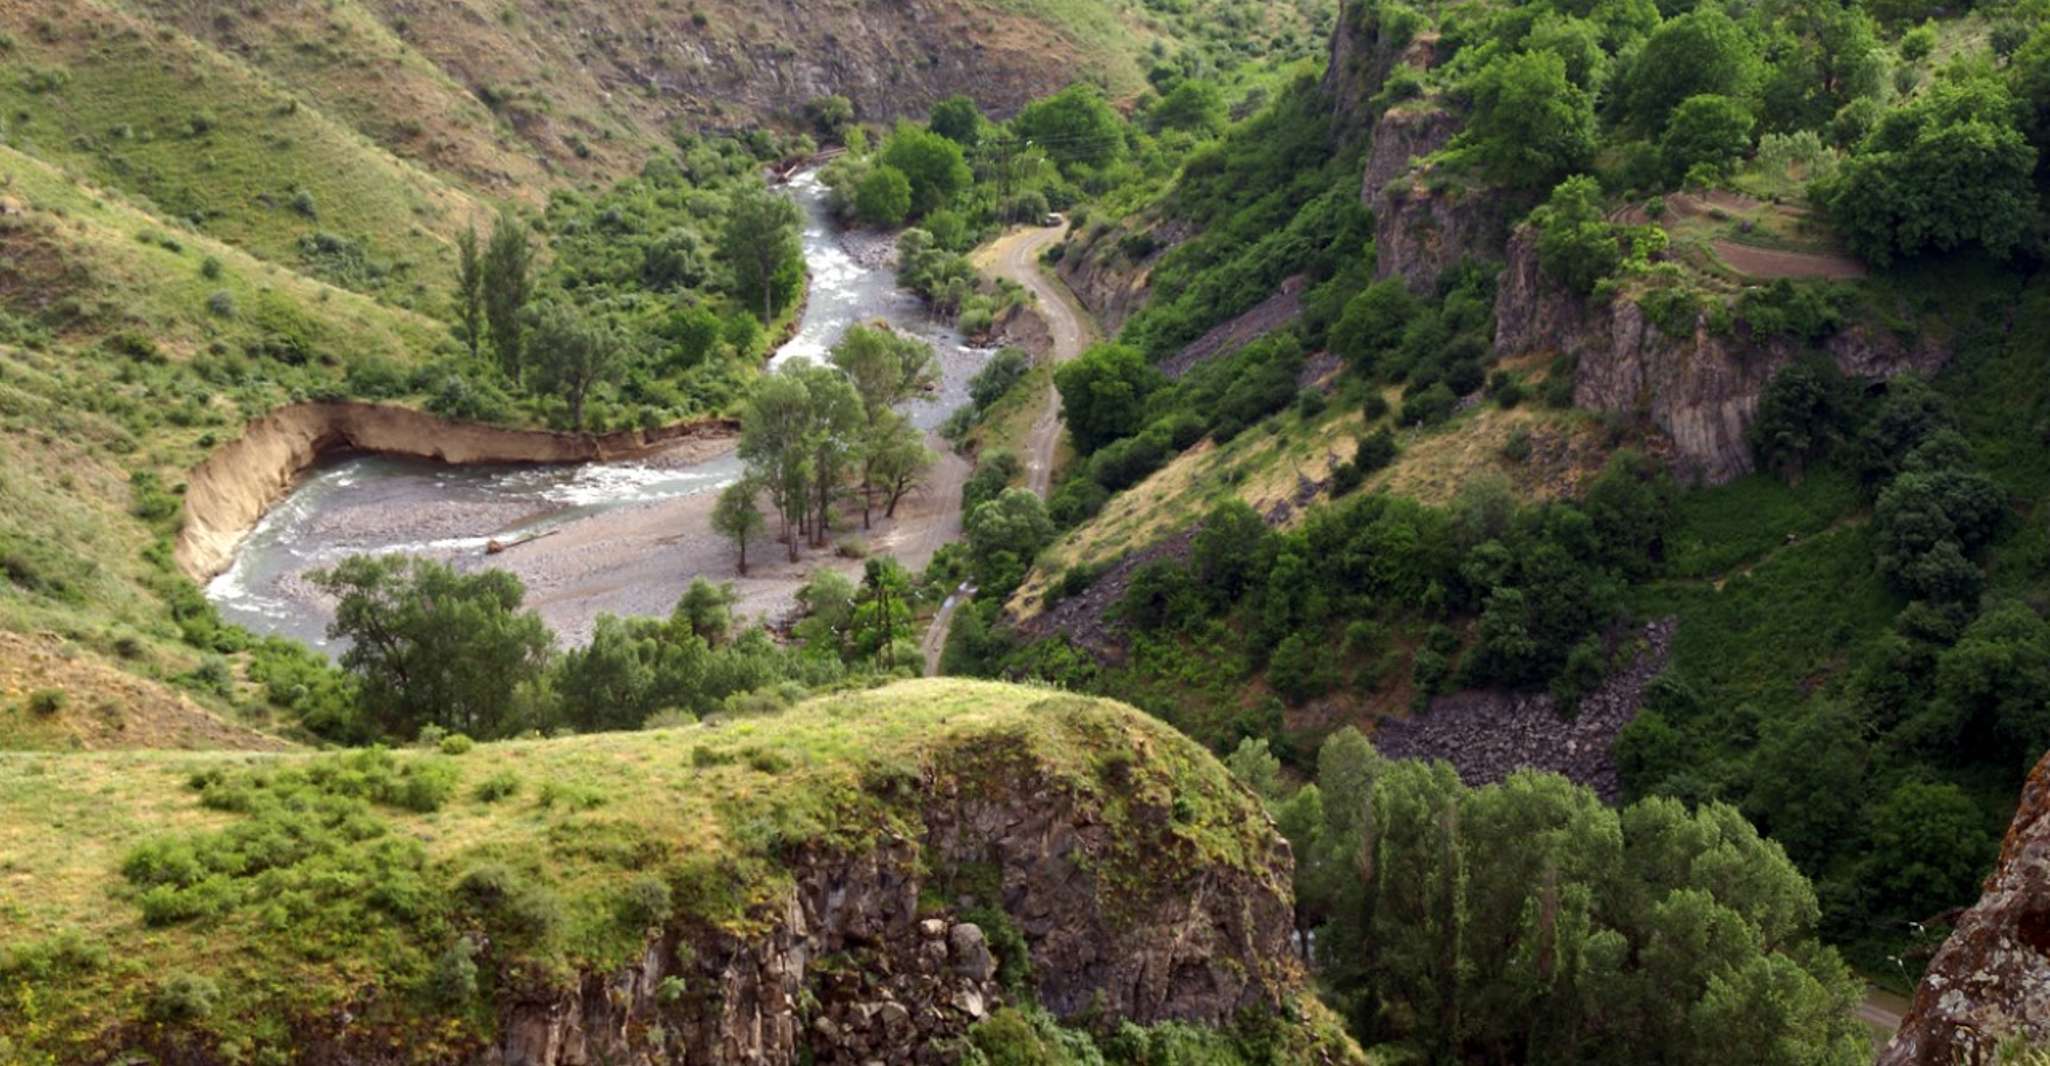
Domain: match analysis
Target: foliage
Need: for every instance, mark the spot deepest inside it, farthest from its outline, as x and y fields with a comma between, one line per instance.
x=1948, y=170
x=1531, y=124
x=429, y=646
x=1452, y=920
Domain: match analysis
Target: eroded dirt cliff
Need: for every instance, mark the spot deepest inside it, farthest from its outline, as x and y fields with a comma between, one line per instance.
x=228, y=492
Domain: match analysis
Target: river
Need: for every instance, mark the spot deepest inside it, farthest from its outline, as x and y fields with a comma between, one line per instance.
x=379, y=504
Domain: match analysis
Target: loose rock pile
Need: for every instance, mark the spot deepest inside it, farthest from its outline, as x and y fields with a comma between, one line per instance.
x=1488, y=735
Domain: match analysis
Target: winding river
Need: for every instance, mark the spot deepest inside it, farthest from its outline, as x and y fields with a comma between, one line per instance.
x=380, y=504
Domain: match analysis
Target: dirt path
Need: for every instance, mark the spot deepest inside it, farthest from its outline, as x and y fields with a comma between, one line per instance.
x=1015, y=256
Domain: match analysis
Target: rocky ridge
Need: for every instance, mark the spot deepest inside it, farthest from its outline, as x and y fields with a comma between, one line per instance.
x=1702, y=389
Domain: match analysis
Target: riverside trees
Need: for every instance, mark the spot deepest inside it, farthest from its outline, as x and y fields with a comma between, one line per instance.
x=809, y=433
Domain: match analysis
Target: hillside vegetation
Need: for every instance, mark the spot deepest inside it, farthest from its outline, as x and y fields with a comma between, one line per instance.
x=196, y=903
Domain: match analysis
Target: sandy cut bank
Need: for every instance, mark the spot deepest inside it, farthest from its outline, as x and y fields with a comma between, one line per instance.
x=228, y=493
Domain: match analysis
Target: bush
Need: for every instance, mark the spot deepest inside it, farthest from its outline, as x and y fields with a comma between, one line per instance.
x=1517, y=448
x=184, y=997
x=1430, y=407
x=46, y=701
x=456, y=744
x=646, y=902
x=498, y=786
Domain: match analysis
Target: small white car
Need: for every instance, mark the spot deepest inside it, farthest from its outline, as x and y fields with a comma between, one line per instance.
x=1053, y=219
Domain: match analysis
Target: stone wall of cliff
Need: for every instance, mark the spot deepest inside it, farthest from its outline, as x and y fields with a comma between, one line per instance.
x=1101, y=268
x=1701, y=390
x=1990, y=982
x=875, y=955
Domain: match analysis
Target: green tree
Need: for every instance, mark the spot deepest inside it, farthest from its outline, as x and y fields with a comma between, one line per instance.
x=1802, y=415
x=1930, y=847
x=1706, y=131
x=1576, y=244
x=429, y=646
x=469, y=291
x=706, y=609
x=896, y=460
x=1701, y=52
x=759, y=242
x=677, y=259
x=1103, y=393
x=1531, y=125
x=957, y=119
x=1993, y=686
x=883, y=198
x=572, y=352
x=1948, y=170
x=1004, y=536
x=934, y=166
x=1461, y=923
x=1372, y=324
x=831, y=115
x=507, y=285
x=1073, y=127
x=882, y=613
x=736, y=518
x=1192, y=106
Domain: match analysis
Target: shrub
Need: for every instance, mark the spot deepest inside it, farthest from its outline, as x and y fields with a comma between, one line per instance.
x=184, y=997
x=646, y=902
x=46, y=701
x=456, y=744
x=455, y=973
x=1430, y=407
x=423, y=786
x=1517, y=448
x=1375, y=451
x=498, y=786
x=302, y=203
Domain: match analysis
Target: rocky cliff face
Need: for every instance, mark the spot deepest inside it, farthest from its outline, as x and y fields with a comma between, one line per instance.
x=1421, y=230
x=876, y=955
x=1100, y=267
x=1701, y=390
x=1363, y=51
x=1990, y=982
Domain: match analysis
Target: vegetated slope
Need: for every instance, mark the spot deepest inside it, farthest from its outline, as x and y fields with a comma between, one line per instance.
x=781, y=887
x=1860, y=629
x=203, y=138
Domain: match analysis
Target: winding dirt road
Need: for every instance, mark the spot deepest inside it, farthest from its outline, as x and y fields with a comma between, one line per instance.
x=1015, y=256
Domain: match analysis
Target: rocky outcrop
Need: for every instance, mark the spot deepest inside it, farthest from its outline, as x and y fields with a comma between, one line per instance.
x=1990, y=982
x=1487, y=735
x=1401, y=137
x=1108, y=267
x=1363, y=51
x=1701, y=390
x=1422, y=229
x=228, y=493
x=876, y=955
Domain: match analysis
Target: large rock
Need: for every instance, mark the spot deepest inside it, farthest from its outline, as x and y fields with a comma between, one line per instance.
x=1990, y=982
x=1701, y=390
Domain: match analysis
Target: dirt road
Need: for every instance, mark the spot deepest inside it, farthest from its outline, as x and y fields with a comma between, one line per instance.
x=1015, y=256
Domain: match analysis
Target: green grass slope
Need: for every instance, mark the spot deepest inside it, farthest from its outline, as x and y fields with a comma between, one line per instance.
x=127, y=875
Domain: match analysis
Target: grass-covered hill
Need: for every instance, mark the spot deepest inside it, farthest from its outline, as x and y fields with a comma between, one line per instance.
x=224, y=907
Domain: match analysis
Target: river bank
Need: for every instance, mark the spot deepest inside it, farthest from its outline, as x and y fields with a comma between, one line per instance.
x=626, y=516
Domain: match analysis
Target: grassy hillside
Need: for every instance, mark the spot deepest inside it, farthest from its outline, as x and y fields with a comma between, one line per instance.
x=374, y=858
